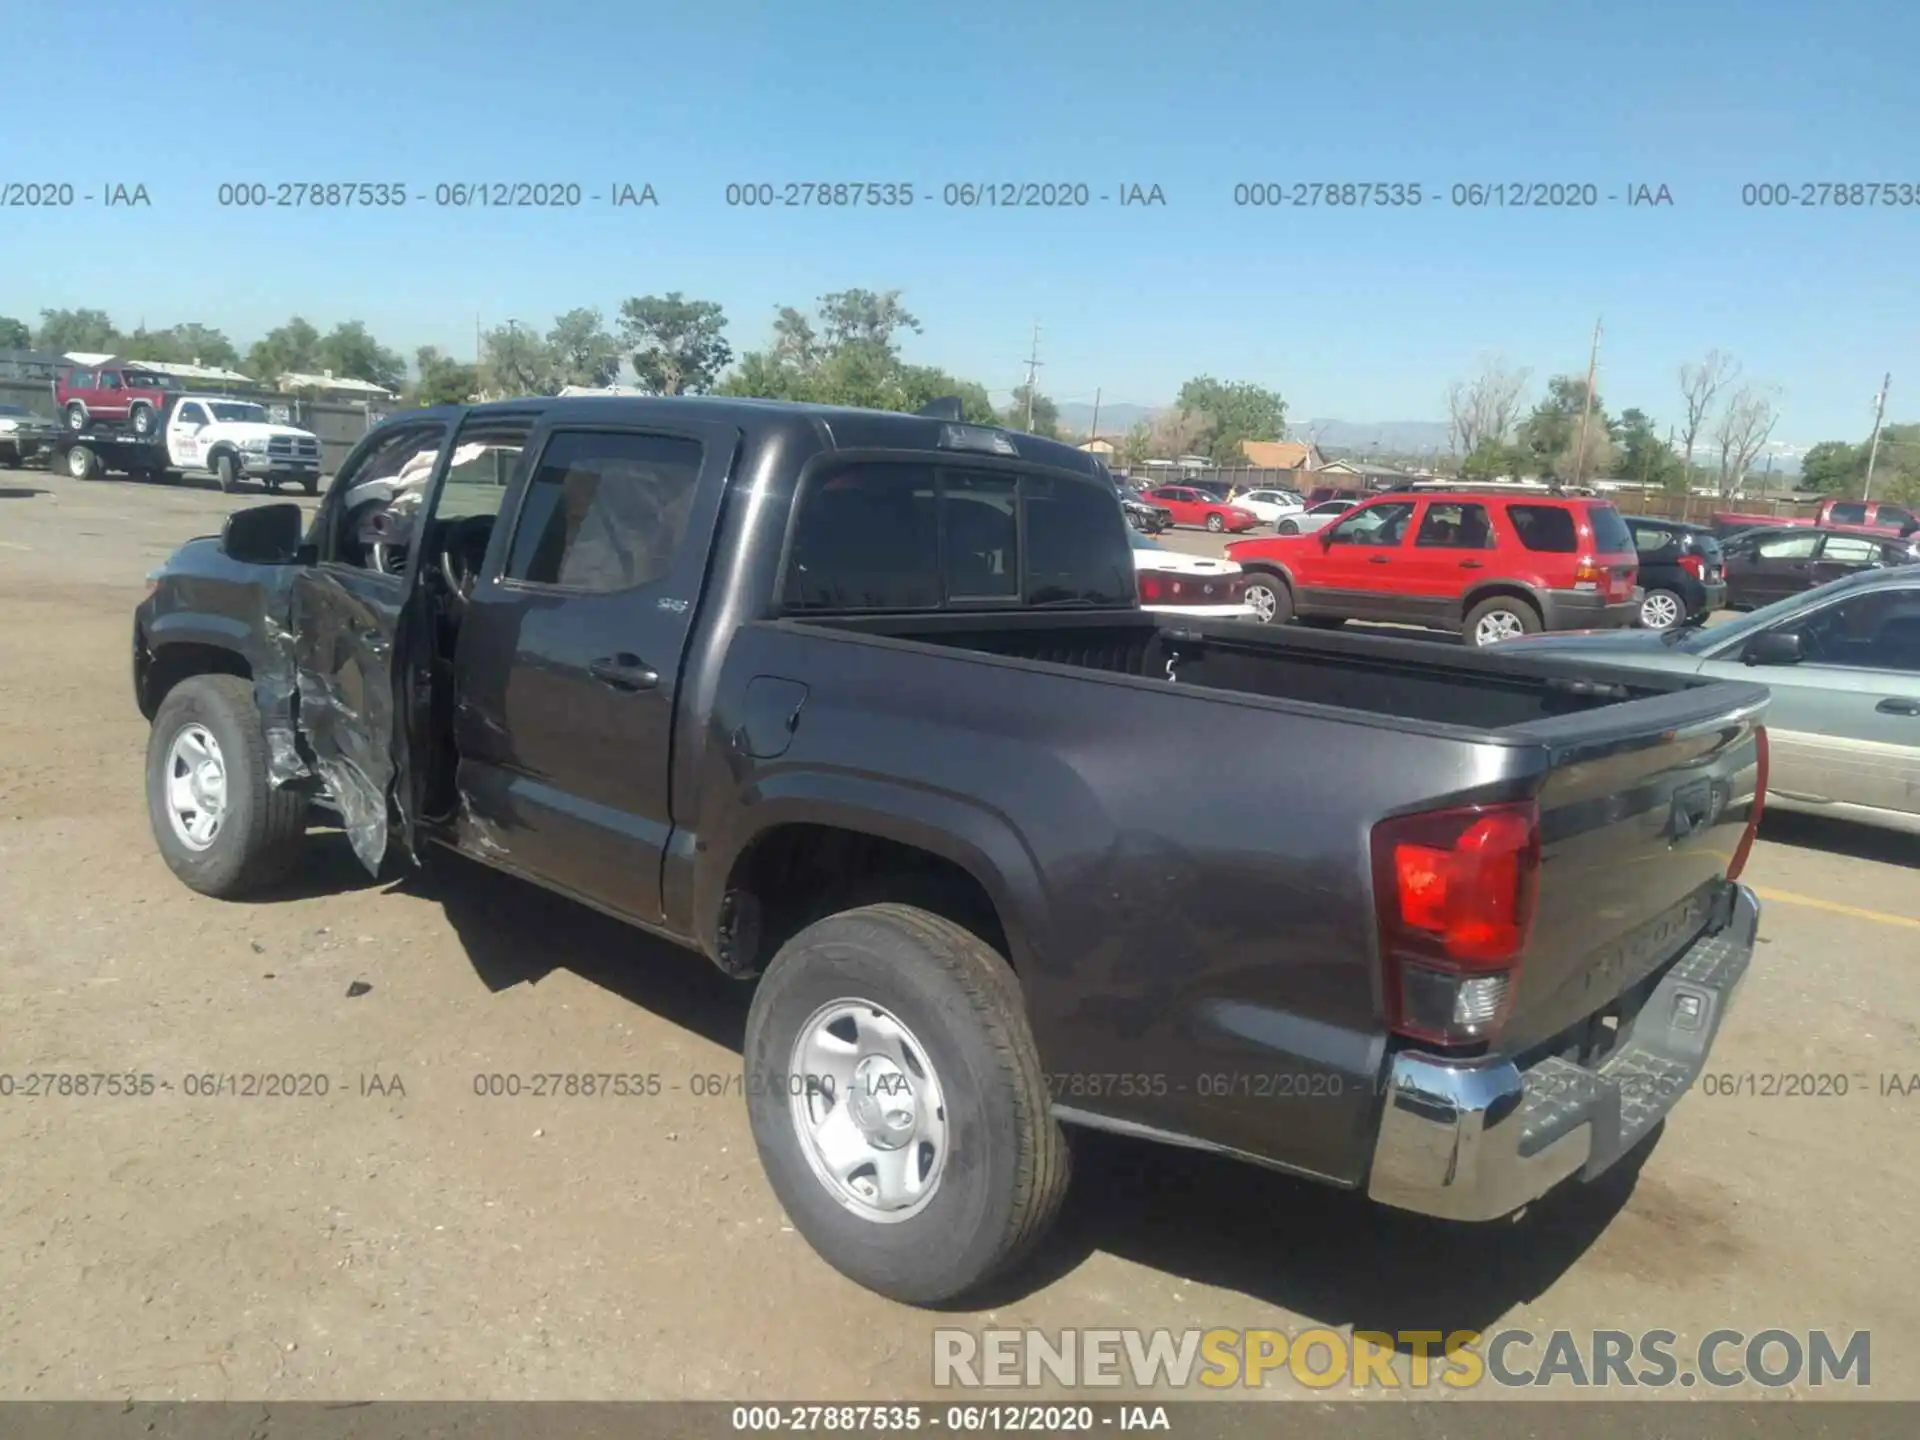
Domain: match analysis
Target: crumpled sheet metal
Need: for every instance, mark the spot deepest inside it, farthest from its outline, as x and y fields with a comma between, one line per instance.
x=274, y=685
x=341, y=739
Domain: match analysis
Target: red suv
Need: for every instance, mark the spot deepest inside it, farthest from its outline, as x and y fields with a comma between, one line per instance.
x=1192, y=506
x=1486, y=566
x=114, y=392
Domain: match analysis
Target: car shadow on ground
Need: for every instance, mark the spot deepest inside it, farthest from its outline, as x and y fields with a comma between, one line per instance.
x=1840, y=837
x=20, y=492
x=1326, y=1254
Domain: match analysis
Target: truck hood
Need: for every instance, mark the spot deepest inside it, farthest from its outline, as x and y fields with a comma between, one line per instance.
x=258, y=430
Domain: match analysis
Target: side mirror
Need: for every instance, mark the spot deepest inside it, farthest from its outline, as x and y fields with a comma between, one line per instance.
x=1776, y=647
x=1326, y=537
x=263, y=534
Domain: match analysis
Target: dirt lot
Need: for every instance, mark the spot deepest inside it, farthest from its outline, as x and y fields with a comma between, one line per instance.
x=429, y=1243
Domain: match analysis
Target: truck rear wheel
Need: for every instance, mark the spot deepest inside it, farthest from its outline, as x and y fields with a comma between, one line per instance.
x=76, y=416
x=83, y=464
x=141, y=418
x=1501, y=618
x=898, y=1104
x=220, y=824
x=1270, y=598
x=225, y=472
x=310, y=484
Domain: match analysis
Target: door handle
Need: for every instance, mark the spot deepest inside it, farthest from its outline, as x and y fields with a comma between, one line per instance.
x=1379, y=559
x=624, y=672
x=1473, y=565
x=1899, y=707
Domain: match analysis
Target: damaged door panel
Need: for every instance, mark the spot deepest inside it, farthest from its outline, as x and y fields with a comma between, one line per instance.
x=348, y=618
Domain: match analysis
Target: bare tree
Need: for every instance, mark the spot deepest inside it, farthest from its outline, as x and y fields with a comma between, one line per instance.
x=1177, y=431
x=1700, y=386
x=1740, y=434
x=1483, y=409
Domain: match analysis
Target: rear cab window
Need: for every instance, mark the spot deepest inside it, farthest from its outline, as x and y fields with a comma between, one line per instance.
x=876, y=536
x=1848, y=513
x=1545, y=529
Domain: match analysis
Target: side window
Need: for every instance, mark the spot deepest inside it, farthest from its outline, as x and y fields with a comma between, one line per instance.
x=1894, y=515
x=191, y=413
x=483, y=462
x=1547, y=529
x=1850, y=550
x=80, y=380
x=1647, y=539
x=1788, y=547
x=1849, y=513
x=1379, y=525
x=605, y=512
x=380, y=498
x=1452, y=526
x=110, y=380
x=1875, y=631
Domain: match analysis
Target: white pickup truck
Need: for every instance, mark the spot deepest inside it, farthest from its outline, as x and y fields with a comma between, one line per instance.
x=231, y=440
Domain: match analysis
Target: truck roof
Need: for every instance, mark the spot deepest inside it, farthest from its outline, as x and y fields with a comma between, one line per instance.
x=840, y=427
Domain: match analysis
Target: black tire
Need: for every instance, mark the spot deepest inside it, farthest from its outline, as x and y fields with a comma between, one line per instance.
x=76, y=417
x=1673, y=612
x=141, y=418
x=311, y=484
x=1135, y=521
x=226, y=473
x=1215, y=522
x=1287, y=527
x=259, y=836
x=83, y=464
x=1007, y=1163
x=1277, y=612
x=1525, y=614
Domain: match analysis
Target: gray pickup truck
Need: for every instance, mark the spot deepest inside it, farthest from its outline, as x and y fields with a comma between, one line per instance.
x=863, y=707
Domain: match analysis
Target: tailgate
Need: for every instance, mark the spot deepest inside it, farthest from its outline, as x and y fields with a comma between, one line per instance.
x=1643, y=808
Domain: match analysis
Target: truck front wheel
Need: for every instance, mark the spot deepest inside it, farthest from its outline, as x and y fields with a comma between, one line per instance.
x=76, y=416
x=141, y=418
x=898, y=1104
x=226, y=473
x=220, y=824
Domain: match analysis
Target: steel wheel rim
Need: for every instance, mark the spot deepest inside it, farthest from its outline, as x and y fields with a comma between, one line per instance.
x=196, y=786
x=77, y=464
x=1216, y=524
x=1659, y=611
x=1497, y=626
x=868, y=1110
x=1264, y=602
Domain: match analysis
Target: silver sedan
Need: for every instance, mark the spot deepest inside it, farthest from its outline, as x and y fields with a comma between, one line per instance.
x=1843, y=662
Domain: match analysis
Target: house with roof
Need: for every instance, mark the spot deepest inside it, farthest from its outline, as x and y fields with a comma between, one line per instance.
x=1282, y=454
x=1105, y=446
x=329, y=386
x=1370, y=475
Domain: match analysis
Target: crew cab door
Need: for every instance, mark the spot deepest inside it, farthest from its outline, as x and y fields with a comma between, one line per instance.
x=1358, y=573
x=345, y=623
x=568, y=667
x=185, y=426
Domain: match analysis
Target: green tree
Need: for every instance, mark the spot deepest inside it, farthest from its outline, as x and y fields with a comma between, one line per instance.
x=1551, y=435
x=1232, y=412
x=204, y=345
x=15, y=334
x=1833, y=467
x=920, y=385
x=865, y=317
x=1046, y=414
x=349, y=350
x=83, y=330
x=583, y=352
x=1136, y=447
x=1491, y=459
x=678, y=345
x=1643, y=455
x=516, y=361
x=442, y=380
x=1896, y=469
x=294, y=346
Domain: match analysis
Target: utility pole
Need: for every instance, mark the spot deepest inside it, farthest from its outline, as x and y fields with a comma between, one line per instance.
x=1094, y=434
x=1586, y=410
x=1873, y=446
x=1033, y=365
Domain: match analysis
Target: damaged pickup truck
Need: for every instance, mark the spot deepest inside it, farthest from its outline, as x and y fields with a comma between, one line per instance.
x=863, y=706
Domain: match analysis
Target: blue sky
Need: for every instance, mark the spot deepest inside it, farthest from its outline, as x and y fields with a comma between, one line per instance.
x=1364, y=316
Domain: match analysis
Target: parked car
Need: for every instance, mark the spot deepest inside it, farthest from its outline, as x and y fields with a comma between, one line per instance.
x=1843, y=663
x=1194, y=586
x=1768, y=565
x=1682, y=572
x=1868, y=514
x=1321, y=494
x=23, y=434
x=1190, y=505
x=114, y=393
x=1314, y=517
x=1142, y=514
x=1484, y=565
x=862, y=710
x=1271, y=505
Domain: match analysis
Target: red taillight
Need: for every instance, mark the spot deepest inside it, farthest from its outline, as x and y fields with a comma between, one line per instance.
x=1454, y=892
x=1694, y=565
x=1745, y=847
x=1587, y=575
x=1150, y=588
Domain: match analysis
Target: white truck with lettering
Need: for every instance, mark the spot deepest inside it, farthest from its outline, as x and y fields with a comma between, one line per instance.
x=229, y=439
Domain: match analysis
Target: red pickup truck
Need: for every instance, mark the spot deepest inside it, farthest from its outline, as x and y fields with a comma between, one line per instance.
x=1870, y=514
x=129, y=393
